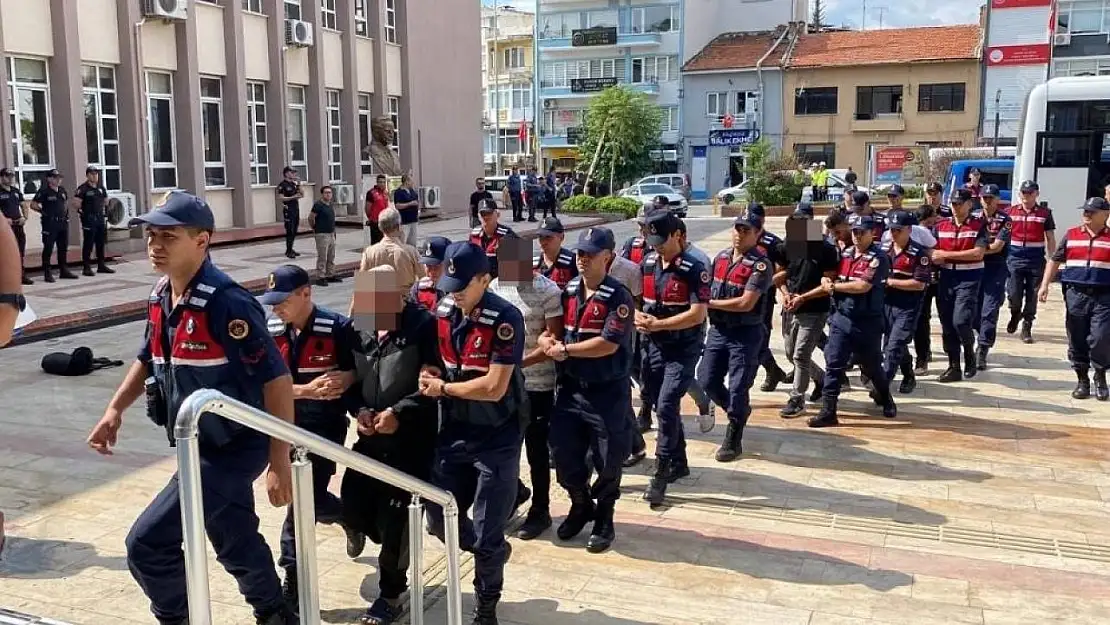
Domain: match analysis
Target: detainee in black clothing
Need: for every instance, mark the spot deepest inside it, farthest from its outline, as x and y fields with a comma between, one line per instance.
x=476, y=198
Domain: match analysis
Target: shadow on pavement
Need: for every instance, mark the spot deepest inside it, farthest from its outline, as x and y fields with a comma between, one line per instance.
x=42, y=558
x=546, y=612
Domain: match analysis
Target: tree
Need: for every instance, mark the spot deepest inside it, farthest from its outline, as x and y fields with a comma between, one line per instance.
x=817, y=19
x=624, y=124
x=774, y=177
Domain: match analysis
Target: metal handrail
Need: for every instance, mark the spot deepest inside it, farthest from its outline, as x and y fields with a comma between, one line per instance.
x=304, y=515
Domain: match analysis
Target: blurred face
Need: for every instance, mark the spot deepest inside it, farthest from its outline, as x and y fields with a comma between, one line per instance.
x=377, y=300
x=433, y=271
x=551, y=244
x=488, y=218
x=1029, y=198
x=861, y=238
x=469, y=297
x=900, y=235
x=974, y=177
x=743, y=238
x=326, y=195
x=172, y=250
x=6, y=180
x=1095, y=220
x=291, y=176
x=295, y=306
x=593, y=266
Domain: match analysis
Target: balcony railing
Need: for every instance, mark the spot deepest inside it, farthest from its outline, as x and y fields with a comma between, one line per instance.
x=878, y=122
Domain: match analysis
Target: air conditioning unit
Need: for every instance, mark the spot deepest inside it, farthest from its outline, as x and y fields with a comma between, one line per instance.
x=429, y=197
x=166, y=9
x=120, y=209
x=344, y=194
x=298, y=33
x=549, y=104
x=1063, y=39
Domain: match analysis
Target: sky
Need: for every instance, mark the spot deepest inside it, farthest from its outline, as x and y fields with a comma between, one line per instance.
x=892, y=13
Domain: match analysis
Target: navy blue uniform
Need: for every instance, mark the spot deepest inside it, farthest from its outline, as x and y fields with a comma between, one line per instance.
x=992, y=289
x=1085, y=277
x=323, y=345
x=670, y=356
x=902, y=307
x=290, y=211
x=734, y=341
x=958, y=289
x=478, y=451
x=11, y=200
x=214, y=338
x=94, y=227
x=55, y=225
x=1026, y=259
x=771, y=246
x=489, y=244
x=594, y=398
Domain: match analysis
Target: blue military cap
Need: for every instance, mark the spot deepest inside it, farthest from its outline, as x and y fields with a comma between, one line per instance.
x=989, y=190
x=487, y=206
x=900, y=219
x=661, y=225
x=463, y=261
x=283, y=282
x=550, y=226
x=896, y=190
x=804, y=210
x=960, y=196
x=1028, y=186
x=434, y=249
x=862, y=222
x=594, y=240
x=756, y=210
x=747, y=221
x=179, y=209
x=860, y=198
x=1096, y=204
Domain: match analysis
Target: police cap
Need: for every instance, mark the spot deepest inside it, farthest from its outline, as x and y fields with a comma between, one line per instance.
x=53, y=173
x=895, y=190
x=900, y=219
x=661, y=225
x=284, y=281
x=860, y=198
x=804, y=210
x=179, y=208
x=1096, y=204
x=862, y=222
x=1028, y=186
x=757, y=211
x=550, y=226
x=989, y=190
x=434, y=249
x=594, y=240
x=463, y=261
x=934, y=187
x=487, y=206
x=959, y=196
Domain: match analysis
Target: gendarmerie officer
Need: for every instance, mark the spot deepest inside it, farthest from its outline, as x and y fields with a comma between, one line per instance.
x=205, y=331
x=857, y=295
x=992, y=290
x=289, y=193
x=424, y=291
x=594, y=398
x=1032, y=241
x=926, y=217
x=1084, y=255
x=676, y=291
x=911, y=270
x=488, y=235
x=51, y=202
x=316, y=345
x=485, y=409
x=742, y=276
x=12, y=207
x=634, y=249
x=90, y=198
x=770, y=245
x=554, y=261
x=961, y=243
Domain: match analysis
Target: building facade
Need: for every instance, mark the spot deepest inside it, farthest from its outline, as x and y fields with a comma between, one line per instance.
x=848, y=92
x=508, y=62
x=216, y=97
x=704, y=20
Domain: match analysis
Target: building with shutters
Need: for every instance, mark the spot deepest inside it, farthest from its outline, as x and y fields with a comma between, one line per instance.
x=508, y=61
x=217, y=96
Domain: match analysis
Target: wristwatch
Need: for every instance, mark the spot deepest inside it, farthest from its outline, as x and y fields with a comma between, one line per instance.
x=14, y=299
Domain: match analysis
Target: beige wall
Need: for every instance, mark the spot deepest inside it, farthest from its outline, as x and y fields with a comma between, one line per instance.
x=852, y=137
x=220, y=201
x=364, y=52
x=257, y=55
x=332, y=48
x=212, y=51
x=98, y=17
x=159, y=46
x=296, y=66
x=27, y=27
x=393, y=83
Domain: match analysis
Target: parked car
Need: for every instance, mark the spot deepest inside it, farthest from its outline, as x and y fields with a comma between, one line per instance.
x=735, y=193
x=679, y=182
x=645, y=195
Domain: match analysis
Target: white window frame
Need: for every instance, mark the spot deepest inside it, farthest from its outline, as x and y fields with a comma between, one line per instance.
x=220, y=164
x=256, y=127
x=98, y=92
x=1065, y=8
x=1082, y=66
x=716, y=103
x=293, y=10
x=639, y=17
x=362, y=24
x=670, y=119
x=560, y=74
x=254, y=6
x=393, y=105
x=513, y=58
x=365, y=121
x=301, y=165
x=23, y=169
x=390, y=23
x=334, y=113
x=161, y=165
x=329, y=18
x=654, y=70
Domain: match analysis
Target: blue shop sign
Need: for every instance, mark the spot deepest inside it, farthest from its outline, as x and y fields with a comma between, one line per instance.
x=733, y=137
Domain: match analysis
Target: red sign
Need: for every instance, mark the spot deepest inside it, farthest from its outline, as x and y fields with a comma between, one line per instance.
x=728, y=120
x=1019, y=4
x=1024, y=54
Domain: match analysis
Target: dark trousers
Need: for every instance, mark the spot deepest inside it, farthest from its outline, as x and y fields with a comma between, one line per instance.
x=848, y=338
x=766, y=356
x=154, y=543
x=94, y=235
x=992, y=292
x=536, y=449
x=901, y=324
x=958, y=306
x=1025, y=281
x=737, y=357
x=669, y=374
x=55, y=236
x=328, y=508
x=375, y=232
x=487, y=480
x=922, y=338
x=518, y=205
x=292, y=220
x=1088, y=326
x=20, y=241
x=591, y=423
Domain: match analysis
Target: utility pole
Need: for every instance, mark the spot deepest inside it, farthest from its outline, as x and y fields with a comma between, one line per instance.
x=863, y=17
x=496, y=87
x=882, y=11
x=997, y=118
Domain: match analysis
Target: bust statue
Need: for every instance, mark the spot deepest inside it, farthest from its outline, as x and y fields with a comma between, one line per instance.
x=381, y=151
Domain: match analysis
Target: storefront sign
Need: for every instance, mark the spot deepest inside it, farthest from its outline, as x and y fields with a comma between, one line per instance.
x=1024, y=54
x=598, y=36
x=733, y=137
x=589, y=85
x=899, y=165
x=574, y=135
x=1019, y=4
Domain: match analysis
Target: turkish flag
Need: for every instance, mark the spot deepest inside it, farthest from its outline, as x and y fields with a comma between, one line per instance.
x=523, y=132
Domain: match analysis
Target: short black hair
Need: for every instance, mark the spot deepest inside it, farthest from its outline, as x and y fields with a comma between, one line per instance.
x=326, y=187
x=381, y=177
x=681, y=226
x=288, y=170
x=925, y=211
x=834, y=219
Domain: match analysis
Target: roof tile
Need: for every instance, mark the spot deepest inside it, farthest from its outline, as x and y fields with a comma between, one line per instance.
x=890, y=46
x=736, y=51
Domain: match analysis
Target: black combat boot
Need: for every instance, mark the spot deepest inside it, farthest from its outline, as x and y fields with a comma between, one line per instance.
x=970, y=365
x=657, y=487
x=536, y=523
x=952, y=373
x=1082, y=386
x=775, y=374
x=87, y=271
x=1015, y=319
x=981, y=358
x=1027, y=332
x=890, y=410
x=677, y=469
x=356, y=542
x=603, y=533
x=1102, y=392
x=731, y=447
x=909, y=383
x=485, y=610
x=582, y=511
x=65, y=274
x=26, y=280
x=47, y=276
x=103, y=268
x=824, y=419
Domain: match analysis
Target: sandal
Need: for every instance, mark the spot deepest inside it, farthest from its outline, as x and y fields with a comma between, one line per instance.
x=381, y=612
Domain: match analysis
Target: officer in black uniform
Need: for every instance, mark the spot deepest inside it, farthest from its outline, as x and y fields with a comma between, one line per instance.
x=594, y=398
x=11, y=205
x=485, y=409
x=94, y=226
x=316, y=344
x=204, y=331
x=51, y=202
x=289, y=193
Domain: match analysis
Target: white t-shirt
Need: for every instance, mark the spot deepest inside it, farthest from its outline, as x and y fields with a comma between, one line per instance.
x=538, y=302
x=918, y=234
x=628, y=273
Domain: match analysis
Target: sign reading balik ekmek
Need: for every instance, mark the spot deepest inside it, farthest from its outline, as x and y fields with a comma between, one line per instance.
x=733, y=137
x=597, y=36
x=587, y=85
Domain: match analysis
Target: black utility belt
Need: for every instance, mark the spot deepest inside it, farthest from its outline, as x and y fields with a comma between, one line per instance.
x=1088, y=289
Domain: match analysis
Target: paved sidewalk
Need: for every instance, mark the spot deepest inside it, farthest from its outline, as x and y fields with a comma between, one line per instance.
x=985, y=502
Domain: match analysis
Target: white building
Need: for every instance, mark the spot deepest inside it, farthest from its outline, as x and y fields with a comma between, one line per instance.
x=507, y=87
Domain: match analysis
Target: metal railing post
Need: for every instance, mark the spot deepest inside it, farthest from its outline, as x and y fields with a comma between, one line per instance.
x=192, y=510
x=451, y=546
x=416, y=561
x=304, y=533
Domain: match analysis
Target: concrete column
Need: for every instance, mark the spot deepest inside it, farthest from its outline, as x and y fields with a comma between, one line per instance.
x=411, y=141
x=236, y=138
x=66, y=104
x=277, y=129
x=187, y=118
x=315, y=103
x=5, y=111
x=130, y=96
x=352, y=157
x=376, y=24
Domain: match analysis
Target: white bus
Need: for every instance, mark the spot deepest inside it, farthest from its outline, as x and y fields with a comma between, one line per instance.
x=1064, y=143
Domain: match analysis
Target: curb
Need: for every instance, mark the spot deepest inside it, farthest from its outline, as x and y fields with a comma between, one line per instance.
x=118, y=314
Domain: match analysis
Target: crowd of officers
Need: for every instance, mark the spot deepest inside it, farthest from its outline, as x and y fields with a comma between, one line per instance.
x=495, y=351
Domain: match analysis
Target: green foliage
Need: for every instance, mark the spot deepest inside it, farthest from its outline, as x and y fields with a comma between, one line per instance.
x=915, y=192
x=580, y=204
x=620, y=205
x=773, y=175
x=628, y=123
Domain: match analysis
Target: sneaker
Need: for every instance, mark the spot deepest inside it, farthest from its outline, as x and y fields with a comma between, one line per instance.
x=794, y=407
x=707, y=421
x=922, y=367
x=536, y=523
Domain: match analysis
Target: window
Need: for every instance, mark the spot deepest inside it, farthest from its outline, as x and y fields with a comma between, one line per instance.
x=256, y=133
x=816, y=153
x=559, y=25
x=293, y=10
x=716, y=104
x=253, y=6
x=670, y=119
x=941, y=97
x=362, y=27
x=163, y=168
x=296, y=120
x=815, y=101
x=601, y=19
x=556, y=123
x=102, y=123
x=747, y=102
x=211, y=114
x=513, y=58
x=364, y=117
x=658, y=19
x=1082, y=17
x=871, y=102
x=30, y=113
x=391, y=21
x=395, y=117
x=1081, y=67
x=335, y=137
x=522, y=95
x=218, y=3
x=652, y=69
x=510, y=141
x=328, y=18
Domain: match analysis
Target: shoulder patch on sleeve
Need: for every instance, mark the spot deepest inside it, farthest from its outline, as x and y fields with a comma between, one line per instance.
x=505, y=331
x=238, y=329
x=705, y=277
x=761, y=266
x=924, y=260
x=623, y=311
